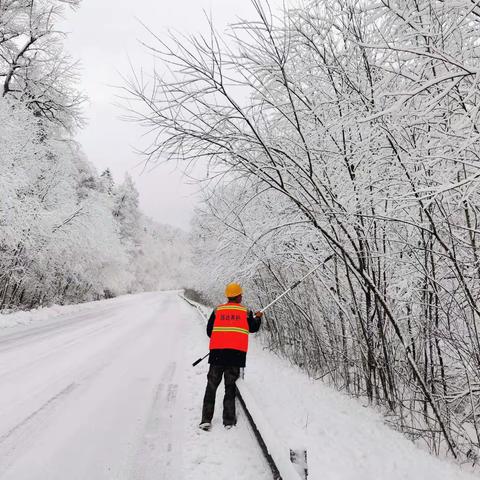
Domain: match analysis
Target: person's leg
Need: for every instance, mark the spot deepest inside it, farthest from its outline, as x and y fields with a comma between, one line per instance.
x=231, y=375
x=214, y=378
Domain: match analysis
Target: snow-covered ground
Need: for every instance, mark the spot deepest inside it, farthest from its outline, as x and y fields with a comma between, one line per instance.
x=345, y=439
x=112, y=395
x=54, y=314
x=107, y=391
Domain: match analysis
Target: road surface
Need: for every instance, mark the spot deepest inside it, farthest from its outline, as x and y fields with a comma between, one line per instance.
x=110, y=393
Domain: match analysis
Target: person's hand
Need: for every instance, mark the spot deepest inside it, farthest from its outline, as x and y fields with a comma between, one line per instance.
x=258, y=314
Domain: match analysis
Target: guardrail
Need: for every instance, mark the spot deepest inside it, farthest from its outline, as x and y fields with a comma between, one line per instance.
x=280, y=459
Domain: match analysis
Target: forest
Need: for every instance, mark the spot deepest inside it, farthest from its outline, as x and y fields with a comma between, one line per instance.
x=341, y=133
x=67, y=233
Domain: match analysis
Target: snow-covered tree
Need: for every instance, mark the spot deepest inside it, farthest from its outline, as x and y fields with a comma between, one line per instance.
x=33, y=66
x=107, y=181
x=58, y=229
x=66, y=233
x=344, y=133
x=126, y=212
x=163, y=258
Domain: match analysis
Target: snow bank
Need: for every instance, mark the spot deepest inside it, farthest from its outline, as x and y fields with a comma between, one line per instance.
x=276, y=448
x=344, y=438
x=10, y=322
x=47, y=314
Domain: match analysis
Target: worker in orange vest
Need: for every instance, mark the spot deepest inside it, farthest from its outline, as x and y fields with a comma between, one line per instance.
x=228, y=328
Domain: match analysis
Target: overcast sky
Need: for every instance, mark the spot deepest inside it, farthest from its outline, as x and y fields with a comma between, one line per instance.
x=103, y=35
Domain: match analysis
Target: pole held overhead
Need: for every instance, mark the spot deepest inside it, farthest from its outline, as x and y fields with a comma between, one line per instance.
x=294, y=285
x=288, y=290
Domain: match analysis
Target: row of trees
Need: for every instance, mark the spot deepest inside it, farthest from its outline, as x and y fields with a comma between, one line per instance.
x=343, y=133
x=67, y=234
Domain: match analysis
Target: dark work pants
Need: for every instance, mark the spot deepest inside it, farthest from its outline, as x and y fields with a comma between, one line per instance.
x=214, y=378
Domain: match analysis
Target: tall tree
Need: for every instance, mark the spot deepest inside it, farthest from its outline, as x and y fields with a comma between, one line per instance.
x=350, y=129
x=33, y=66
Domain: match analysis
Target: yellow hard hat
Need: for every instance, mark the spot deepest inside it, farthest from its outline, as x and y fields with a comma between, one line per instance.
x=233, y=290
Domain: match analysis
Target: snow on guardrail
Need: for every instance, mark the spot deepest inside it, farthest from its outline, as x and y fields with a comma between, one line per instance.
x=277, y=452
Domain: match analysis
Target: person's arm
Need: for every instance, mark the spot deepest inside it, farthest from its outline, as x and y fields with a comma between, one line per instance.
x=254, y=321
x=210, y=323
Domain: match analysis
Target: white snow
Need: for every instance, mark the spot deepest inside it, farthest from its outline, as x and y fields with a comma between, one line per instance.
x=112, y=395
x=42, y=316
x=277, y=448
x=344, y=438
x=107, y=391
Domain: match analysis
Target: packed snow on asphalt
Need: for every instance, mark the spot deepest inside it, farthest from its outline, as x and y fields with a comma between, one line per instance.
x=106, y=390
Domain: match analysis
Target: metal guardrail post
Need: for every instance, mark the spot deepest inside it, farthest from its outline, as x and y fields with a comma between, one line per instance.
x=299, y=460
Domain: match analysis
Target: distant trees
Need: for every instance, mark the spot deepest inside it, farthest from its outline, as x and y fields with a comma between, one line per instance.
x=66, y=233
x=163, y=259
x=345, y=133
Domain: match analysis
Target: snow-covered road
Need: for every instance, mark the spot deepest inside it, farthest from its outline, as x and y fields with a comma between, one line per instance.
x=106, y=391
x=109, y=393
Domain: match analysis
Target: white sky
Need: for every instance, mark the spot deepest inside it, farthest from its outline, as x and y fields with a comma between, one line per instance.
x=104, y=34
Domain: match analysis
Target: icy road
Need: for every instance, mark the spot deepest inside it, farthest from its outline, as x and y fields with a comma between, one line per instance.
x=108, y=392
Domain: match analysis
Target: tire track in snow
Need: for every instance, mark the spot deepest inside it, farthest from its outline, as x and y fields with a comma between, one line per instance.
x=156, y=456
x=21, y=432
x=172, y=393
x=22, y=435
x=67, y=322
x=62, y=325
x=48, y=403
x=8, y=371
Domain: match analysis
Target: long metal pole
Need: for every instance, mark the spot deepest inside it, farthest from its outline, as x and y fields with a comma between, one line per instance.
x=288, y=290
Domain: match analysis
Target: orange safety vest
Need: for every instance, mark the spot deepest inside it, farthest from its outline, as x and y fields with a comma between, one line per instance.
x=230, y=328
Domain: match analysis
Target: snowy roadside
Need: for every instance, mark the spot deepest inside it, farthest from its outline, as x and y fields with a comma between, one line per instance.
x=110, y=393
x=219, y=454
x=344, y=439
x=22, y=320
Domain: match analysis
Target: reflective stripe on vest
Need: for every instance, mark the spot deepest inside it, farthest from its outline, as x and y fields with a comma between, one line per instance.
x=230, y=329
